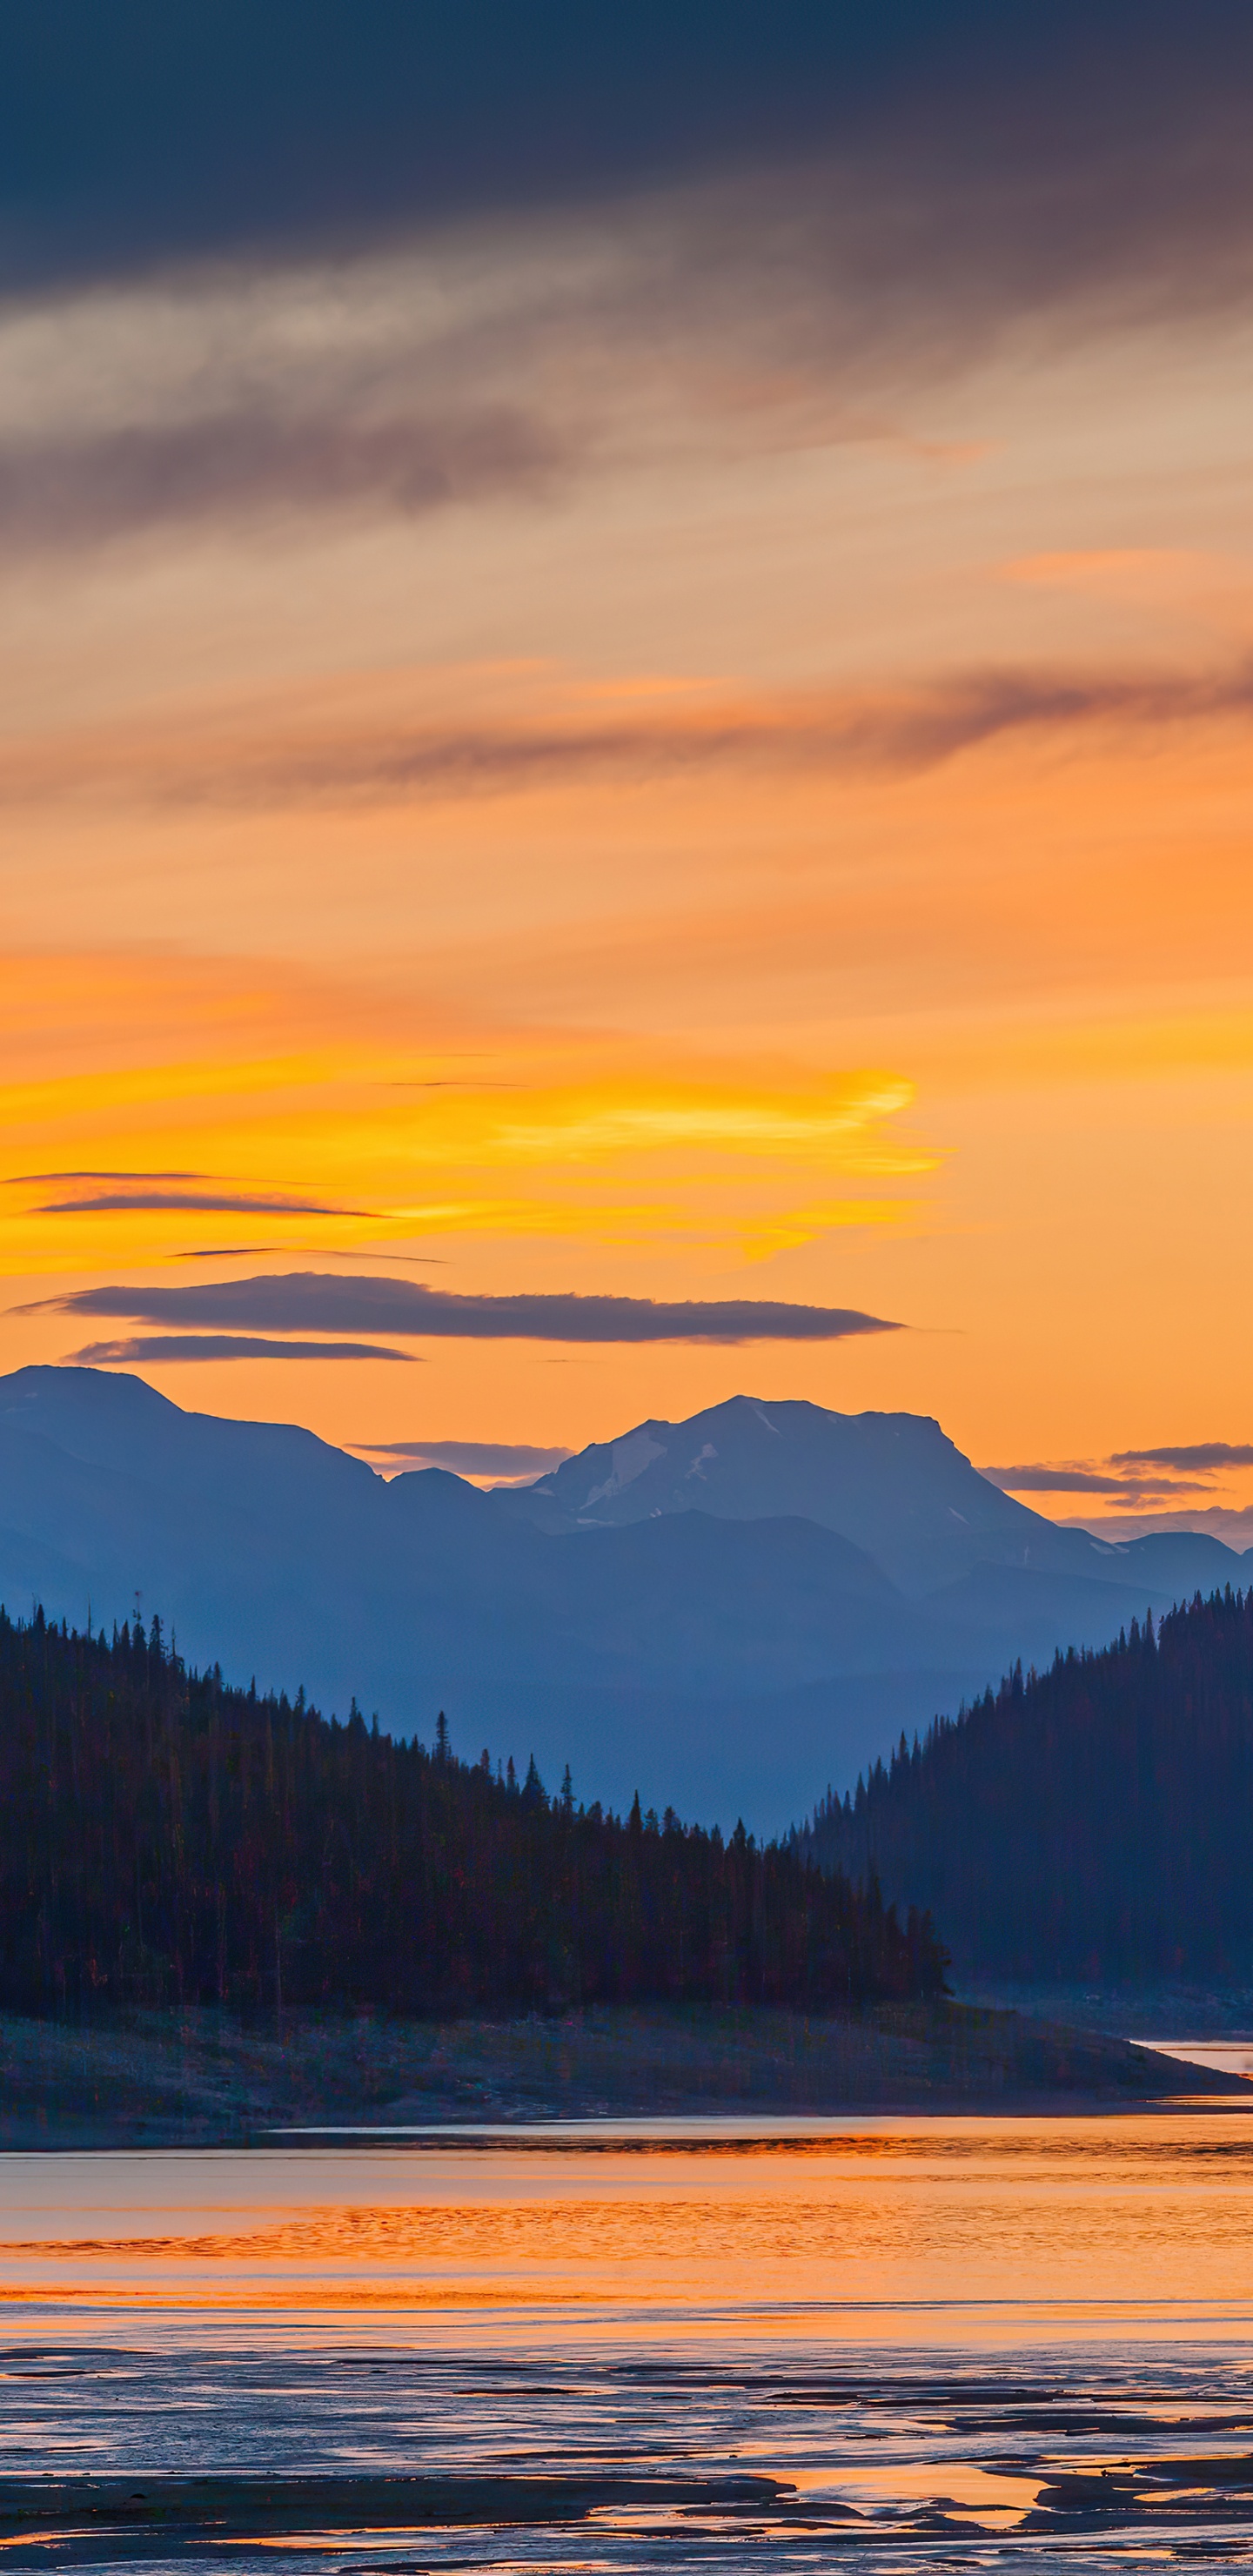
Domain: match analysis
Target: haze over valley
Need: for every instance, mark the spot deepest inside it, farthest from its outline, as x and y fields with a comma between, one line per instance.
x=727, y=1614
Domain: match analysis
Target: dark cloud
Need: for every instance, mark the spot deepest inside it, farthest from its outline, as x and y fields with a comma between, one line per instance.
x=1202, y=1453
x=215, y=1202
x=1082, y=1480
x=79, y=490
x=223, y=1346
x=316, y=1302
x=145, y=1191
x=1110, y=139
x=465, y=1457
x=899, y=731
x=802, y=192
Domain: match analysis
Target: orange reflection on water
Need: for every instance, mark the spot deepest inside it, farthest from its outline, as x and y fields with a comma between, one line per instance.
x=1137, y=2211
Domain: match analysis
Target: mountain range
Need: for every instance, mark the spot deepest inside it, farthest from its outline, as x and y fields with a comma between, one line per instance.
x=726, y=1613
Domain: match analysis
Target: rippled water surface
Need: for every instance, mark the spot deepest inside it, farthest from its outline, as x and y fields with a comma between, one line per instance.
x=896, y=2344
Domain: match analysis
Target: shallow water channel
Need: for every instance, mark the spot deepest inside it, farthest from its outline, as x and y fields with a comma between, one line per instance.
x=896, y=2343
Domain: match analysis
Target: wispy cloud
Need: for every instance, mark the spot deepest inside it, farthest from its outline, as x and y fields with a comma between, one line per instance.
x=901, y=731
x=1054, y=1480
x=619, y=1147
x=153, y=1347
x=316, y=1302
x=787, y=230
x=1130, y=1474
x=147, y=1193
x=322, y=1251
x=73, y=492
x=1090, y=1480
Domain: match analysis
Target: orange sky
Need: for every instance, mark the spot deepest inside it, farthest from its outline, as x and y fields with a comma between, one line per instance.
x=800, y=851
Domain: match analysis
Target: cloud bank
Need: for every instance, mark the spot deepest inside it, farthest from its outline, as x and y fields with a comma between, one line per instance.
x=131, y=138
x=316, y=1302
x=823, y=201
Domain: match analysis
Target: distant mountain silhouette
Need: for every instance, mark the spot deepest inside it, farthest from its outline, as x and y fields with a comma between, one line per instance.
x=891, y=1482
x=1234, y=1528
x=725, y=1613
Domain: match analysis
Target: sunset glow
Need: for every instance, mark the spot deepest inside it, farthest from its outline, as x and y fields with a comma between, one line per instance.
x=601, y=749
x=626, y=1438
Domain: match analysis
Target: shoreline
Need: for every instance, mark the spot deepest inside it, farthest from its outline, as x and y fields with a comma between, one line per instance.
x=157, y=2077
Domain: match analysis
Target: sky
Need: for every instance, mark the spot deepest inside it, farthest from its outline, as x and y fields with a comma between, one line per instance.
x=626, y=674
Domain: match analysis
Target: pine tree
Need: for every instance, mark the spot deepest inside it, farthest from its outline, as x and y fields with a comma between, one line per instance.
x=1092, y=1820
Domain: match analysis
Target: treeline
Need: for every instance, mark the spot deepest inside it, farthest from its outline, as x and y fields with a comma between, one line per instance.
x=166, y=1839
x=1095, y=1820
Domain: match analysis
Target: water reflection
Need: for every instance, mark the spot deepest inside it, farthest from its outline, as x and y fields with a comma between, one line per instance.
x=1230, y=2056
x=911, y=2343
x=897, y=2214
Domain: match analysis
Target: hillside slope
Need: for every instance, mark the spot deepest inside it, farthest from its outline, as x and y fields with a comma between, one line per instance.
x=168, y=1840
x=1091, y=1822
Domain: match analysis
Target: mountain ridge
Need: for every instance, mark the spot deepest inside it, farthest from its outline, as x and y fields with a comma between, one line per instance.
x=719, y=1657
x=840, y=1470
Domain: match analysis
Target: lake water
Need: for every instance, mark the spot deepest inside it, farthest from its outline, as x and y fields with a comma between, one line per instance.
x=895, y=2343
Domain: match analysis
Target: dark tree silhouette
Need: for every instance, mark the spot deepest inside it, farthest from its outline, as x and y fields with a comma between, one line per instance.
x=166, y=1838
x=1095, y=1820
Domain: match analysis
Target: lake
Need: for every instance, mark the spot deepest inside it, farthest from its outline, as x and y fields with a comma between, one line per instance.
x=896, y=2343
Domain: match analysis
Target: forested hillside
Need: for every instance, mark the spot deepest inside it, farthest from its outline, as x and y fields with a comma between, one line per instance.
x=1094, y=1820
x=163, y=1838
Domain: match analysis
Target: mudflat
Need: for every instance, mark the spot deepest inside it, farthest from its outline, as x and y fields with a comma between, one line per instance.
x=909, y=2339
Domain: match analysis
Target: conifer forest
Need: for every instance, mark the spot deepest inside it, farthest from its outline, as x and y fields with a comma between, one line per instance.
x=168, y=1839
x=1091, y=1821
